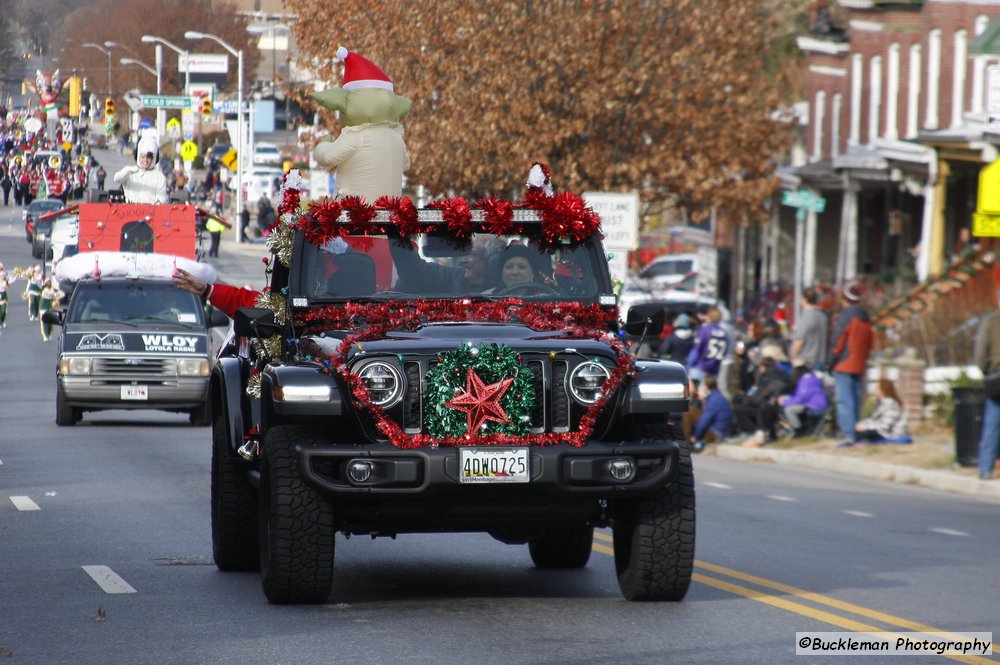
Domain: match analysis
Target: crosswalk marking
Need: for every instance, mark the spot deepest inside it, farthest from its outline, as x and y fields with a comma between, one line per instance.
x=24, y=503
x=108, y=580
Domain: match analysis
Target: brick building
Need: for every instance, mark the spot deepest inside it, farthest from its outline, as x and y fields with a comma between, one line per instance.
x=895, y=135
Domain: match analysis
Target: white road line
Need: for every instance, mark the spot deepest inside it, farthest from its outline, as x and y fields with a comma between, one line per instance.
x=24, y=503
x=108, y=580
x=949, y=532
x=857, y=513
x=721, y=486
x=779, y=497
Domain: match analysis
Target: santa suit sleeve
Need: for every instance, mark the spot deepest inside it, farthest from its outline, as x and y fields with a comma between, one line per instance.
x=228, y=298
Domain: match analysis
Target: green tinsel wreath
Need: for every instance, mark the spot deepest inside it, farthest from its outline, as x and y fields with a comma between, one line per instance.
x=493, y=363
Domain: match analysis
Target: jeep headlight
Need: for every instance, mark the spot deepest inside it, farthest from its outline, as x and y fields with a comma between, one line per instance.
x=192, y=367
x=586, y=382
x=74, y=365
x=384, y=383
x=301, y=393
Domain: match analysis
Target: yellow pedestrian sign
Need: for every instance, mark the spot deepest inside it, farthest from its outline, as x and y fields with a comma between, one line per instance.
x=229, y=159
x=189, y=150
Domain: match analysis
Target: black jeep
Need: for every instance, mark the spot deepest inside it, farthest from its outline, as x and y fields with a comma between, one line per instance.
x=396, y=378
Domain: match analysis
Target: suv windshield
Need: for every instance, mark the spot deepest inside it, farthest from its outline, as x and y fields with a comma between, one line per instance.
x=134, y=301
x=435, y=266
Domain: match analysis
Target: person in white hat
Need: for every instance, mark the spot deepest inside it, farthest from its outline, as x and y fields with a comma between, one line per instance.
x=143, y=182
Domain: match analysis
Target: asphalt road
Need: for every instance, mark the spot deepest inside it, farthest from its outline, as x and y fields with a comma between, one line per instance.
x=105, y=557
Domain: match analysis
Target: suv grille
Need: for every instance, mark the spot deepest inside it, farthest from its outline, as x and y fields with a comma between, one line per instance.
x=135, y=366
x=551, y=413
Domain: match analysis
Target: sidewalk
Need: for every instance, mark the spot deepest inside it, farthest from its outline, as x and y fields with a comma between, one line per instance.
x=927, y=462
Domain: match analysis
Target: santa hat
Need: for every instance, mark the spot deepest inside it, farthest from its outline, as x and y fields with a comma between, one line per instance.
x=359, y=72
x=540, y=177
x=852, y=292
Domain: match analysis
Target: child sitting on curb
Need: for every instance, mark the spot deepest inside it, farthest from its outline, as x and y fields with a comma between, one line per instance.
x=716, y=419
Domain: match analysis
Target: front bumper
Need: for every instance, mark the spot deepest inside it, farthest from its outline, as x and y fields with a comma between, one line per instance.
x=559, y=470
x=94, y=392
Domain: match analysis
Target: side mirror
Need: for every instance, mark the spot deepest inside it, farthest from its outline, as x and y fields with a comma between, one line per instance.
x=255, y=322
x=53, y=317
x=645, y=320
x=217, y=319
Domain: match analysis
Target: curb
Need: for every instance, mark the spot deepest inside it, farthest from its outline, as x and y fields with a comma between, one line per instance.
x=937, y=480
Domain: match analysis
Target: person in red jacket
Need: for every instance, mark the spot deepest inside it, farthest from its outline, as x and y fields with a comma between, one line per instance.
x=853, y=341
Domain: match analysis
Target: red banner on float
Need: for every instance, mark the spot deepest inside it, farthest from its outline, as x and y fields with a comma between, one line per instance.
x=137, y=227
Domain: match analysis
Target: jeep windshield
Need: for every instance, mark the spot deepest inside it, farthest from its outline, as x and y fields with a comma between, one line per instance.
x=487, y=266
x=134, y=302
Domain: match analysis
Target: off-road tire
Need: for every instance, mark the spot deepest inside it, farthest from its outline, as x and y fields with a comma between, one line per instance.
x=201, y=416
x=66, y=415
x=563, y=547
x=296, y=524
x=235, y=542
x=654, y=534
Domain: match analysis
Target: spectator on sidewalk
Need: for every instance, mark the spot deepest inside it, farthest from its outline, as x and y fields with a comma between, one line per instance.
x=716, y=418
x=889, y=421
x=710, y=347
x=757, y=412
x=809, y=401
x=853, y=340
x=987, y=357
x=678, y=343
x=810, y=337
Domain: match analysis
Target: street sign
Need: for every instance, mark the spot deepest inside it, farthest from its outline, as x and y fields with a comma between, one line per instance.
x=166, y=101
x=174, y=128
x=189, y=150
x=229, y=159
x=805, y=199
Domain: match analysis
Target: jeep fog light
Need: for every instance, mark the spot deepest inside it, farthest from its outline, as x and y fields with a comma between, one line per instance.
x=360, y=471
x=192, y=367
x=301, y=393
x=384, y=383
x=74, y=366
x=622, y=469
x=586, y=382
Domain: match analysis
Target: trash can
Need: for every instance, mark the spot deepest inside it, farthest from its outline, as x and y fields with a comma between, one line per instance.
x=968, y=415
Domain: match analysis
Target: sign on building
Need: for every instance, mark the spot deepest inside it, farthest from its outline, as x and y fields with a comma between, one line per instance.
x=620, y=224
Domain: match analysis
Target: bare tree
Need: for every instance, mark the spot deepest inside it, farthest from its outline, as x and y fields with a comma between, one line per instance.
x=672, y=98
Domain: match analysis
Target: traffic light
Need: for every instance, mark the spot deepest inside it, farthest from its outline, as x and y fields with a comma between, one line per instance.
x=206, y=108
x=109, y=107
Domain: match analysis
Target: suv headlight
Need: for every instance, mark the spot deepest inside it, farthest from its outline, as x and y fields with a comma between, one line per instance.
x=192, y=367
x=586, y=382
x=384, y=383
x=74, y=365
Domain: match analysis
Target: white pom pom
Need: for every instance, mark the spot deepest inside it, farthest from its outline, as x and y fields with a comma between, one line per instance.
x=536, y=177
x=342, y=53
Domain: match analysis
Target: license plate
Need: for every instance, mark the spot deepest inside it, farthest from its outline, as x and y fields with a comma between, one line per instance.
x=135, y=392
x=493, y=465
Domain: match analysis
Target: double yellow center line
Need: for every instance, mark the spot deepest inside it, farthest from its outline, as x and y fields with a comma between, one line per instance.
x=783, y=602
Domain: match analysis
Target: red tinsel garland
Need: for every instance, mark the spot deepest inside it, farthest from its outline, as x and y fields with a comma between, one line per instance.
x=402, y=213
x=499, y=214
x=376, y=320
x=457, y=216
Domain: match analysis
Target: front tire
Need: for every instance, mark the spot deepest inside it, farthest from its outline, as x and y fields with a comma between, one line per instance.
x=654, y=534
x=66, y=415
x=296, y=524
x=563, y=547
x=235, y=543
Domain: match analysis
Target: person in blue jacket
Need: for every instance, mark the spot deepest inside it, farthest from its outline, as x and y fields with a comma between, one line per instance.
x=808, y=400
x=716, y=419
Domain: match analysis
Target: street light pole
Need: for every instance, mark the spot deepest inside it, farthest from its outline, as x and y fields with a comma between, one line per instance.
x=181, y=52
x=156, y=73
x=194, y=34
x=107, y=52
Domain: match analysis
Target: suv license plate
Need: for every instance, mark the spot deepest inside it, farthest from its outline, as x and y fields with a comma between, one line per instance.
x=493, y=465
x=135, y=392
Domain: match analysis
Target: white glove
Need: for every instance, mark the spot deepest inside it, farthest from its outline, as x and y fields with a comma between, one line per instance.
x=131, y=169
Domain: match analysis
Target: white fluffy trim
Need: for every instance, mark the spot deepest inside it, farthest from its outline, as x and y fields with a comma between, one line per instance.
x=135, y=265
x=342, y=53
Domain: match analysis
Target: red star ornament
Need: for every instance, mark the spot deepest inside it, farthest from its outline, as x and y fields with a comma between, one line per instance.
x=480, y=402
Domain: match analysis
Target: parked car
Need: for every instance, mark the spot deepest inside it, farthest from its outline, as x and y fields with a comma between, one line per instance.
x=261, y=180
x=63, y=239
x=267, y=153
x=667, y=270
x=36, y=208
